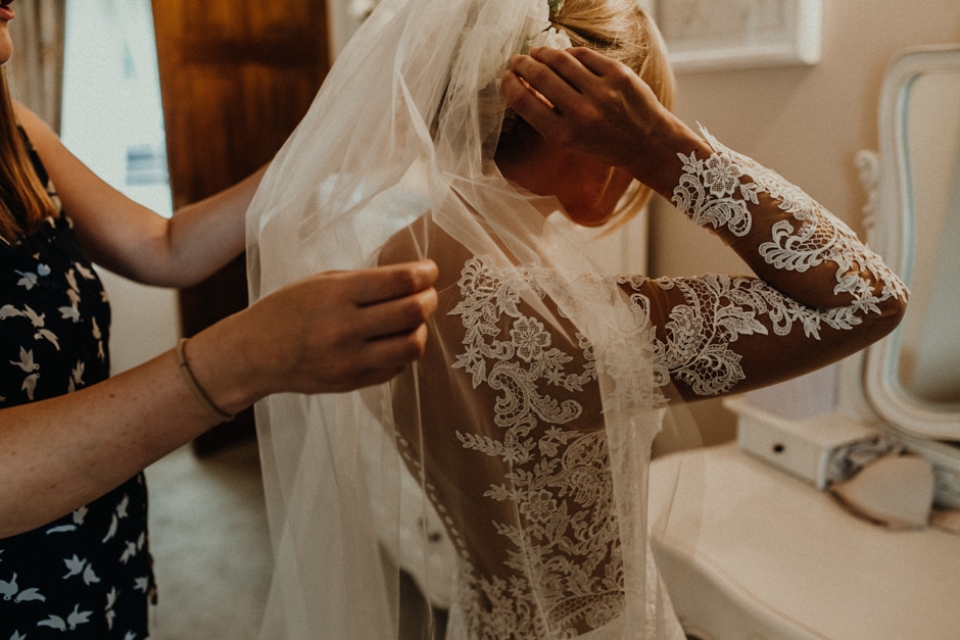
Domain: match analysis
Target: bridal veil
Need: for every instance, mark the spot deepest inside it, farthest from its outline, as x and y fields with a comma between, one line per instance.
x=529, y=423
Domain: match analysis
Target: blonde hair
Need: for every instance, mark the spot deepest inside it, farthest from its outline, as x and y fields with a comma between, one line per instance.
x=24, y=201
x=621, y=30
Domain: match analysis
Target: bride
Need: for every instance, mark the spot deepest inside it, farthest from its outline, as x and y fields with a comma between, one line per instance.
x=530, y=419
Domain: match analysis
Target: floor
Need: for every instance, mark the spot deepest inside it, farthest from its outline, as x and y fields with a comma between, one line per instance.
x=208, y=535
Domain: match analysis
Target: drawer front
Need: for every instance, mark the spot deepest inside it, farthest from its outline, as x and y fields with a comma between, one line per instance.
x=782, y=449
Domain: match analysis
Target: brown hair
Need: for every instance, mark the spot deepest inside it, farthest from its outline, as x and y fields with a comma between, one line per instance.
x=24, y=202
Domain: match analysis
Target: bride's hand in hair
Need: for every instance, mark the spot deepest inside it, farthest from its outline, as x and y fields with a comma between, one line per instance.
x=598, y=107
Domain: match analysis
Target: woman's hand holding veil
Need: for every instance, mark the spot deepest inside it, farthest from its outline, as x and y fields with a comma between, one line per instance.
x=333, y=332
x=600, y=108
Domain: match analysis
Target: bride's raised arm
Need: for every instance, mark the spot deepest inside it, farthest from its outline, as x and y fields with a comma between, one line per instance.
x=820, y=294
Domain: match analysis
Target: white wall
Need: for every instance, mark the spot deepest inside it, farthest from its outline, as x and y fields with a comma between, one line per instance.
x=807, y=123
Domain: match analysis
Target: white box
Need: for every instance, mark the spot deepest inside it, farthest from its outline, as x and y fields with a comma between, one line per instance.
x=802, y=448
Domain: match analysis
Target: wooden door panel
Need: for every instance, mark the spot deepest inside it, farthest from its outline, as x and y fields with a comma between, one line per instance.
x=269, y=92
x=236, y=76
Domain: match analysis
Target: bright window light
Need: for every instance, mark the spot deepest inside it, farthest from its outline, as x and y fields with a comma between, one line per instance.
x=112, y=115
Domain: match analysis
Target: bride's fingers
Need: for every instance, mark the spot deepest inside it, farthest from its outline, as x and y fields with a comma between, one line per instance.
x=557, y=77
x=530, y=106
x=564, y=67
x=594, y=62
x=567, y=66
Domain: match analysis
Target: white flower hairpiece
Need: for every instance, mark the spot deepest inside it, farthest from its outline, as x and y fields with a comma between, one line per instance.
x=551, y=37
x=487, y=43
x=538, y=30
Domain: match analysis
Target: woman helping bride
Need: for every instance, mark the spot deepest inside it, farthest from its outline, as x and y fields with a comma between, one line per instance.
x=530, y=419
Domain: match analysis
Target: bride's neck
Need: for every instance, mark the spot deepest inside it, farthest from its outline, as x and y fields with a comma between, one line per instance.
x=526, y=159
x=588, y=190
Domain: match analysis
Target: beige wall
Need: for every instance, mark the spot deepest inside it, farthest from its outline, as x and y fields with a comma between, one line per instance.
x=806, y=123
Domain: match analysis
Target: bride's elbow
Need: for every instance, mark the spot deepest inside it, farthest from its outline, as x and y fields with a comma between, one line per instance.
x=888, y=316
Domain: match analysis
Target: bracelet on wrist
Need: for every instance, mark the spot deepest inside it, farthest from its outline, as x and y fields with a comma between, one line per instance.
x=195, y=387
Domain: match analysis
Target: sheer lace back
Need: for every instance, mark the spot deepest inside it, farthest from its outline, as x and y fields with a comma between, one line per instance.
x=513, y=451
x=555, y=379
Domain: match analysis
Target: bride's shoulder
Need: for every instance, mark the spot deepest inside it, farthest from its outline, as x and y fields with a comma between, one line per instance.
x=425, y=239
x=403, y=246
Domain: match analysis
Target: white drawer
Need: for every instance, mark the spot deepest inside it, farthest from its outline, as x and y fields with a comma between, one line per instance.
x=802, y=448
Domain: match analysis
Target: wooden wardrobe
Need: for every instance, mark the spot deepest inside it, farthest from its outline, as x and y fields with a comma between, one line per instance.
x=236, y=77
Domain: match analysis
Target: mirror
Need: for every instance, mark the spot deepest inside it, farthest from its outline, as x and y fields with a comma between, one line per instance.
x=928, y=366
x=913, y=376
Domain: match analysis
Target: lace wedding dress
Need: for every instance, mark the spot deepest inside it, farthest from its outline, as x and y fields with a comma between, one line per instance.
x=529, y=421
x=510, y=433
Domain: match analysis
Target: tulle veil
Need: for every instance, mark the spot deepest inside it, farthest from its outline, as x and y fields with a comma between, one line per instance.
x=406, y=123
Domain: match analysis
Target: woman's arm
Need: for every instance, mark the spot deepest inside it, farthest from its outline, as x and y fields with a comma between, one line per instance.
x=329, y=333
x=130, y=239
x=821, y=294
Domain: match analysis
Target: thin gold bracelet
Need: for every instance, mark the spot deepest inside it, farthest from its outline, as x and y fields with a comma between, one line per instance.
x=198, y=392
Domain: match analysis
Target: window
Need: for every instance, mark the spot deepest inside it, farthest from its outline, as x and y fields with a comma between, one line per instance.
x=113, y=121
x=112, y=115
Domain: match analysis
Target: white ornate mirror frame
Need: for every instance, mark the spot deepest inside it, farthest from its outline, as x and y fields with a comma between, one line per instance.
x=890, y=222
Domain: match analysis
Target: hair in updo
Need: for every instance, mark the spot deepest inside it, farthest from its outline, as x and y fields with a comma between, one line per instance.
x=621, y=30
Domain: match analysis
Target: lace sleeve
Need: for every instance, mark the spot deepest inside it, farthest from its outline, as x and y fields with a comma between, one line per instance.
x=821, y=293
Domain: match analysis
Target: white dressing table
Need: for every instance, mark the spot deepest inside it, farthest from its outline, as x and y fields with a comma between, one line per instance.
x=751, y=552
x=777, y=559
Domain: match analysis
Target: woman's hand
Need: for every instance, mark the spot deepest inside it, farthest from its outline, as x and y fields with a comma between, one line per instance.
x=600, y=108
x=332, y=332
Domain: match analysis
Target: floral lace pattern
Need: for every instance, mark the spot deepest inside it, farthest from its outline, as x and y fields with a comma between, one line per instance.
x=708, y=193
x=488, y=294
x=563, y=573
x=566, y=541
x=720, y=309
x=558, y=478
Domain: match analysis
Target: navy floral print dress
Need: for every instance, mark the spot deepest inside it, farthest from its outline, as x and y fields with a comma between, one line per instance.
x=89, y=574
